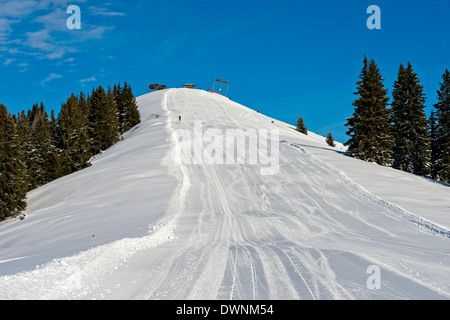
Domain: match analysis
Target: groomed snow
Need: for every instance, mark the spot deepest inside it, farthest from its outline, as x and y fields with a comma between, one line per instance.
x=138, y=224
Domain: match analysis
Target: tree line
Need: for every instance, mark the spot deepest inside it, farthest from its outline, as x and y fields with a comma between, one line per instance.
x=36, y=148
x=400, y=136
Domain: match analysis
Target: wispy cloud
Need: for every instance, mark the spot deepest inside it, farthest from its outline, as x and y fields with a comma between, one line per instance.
x=18, y=9
x=8, y=61
x=84, y=81
x=46, y=35
x=5, y=28
x=23, y=66
x=105, y=12
x=49, y=78
x=47, y=45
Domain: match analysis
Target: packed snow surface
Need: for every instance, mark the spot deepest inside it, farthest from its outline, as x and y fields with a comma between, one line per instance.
x=144, y=223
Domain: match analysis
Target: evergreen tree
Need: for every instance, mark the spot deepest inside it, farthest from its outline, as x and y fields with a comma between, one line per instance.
x=23, y=132
x=132, y=116
x=330, y=140
x=55, y=169
x=13, y=185
x=441, y=136
x=73, y=139
x=301, y=126
x=121, y=106
x=103, y=120
x=128, y=114
x=34, y=111
x=368, y=127
x=410, y=130
x=40, y=147
x=53, y=127
x=112, y=120
x=433, y=143
x=83, y=105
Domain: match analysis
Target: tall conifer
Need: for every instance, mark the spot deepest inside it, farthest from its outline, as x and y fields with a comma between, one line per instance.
x=441, y=140
x=73, y=135
x=132, y=116
x=128, y=114
x=368, y=127
x=13, y=184
x=40, y=147
x=410, y=129
x=103, y=120
x=301, y=127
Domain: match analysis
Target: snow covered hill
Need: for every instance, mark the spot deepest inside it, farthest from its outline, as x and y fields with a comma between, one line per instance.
x=292, y=218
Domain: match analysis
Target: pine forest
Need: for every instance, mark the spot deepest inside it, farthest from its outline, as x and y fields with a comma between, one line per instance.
x=37, y=147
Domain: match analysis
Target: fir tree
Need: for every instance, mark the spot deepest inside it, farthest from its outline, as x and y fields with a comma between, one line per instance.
x=73, y=139
x=301, y=126
x=34, y=111
x=368, y=127
x=40, y=147
x=128, y=114
x=23, y=137
x=111, y=114
x=13, y=184
x=433, y=143
x=55, y=170
x=330, y=140
x=132, y=116
x=121, y=106
x=103, y=120
x=24, y=134
x=411, y=147
x=53, y=126
x=83, y=105
x=440, y=162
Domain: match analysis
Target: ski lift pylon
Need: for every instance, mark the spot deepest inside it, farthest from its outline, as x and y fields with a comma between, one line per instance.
x=222, y=82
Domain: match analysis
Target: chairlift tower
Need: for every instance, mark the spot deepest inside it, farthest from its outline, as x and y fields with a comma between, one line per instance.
x=222, y=83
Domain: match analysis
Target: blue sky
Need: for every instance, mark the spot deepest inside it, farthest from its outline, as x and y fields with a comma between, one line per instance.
x=285, y=58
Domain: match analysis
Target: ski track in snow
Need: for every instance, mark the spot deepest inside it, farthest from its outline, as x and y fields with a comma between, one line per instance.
x=307, y=232
x=419, y=221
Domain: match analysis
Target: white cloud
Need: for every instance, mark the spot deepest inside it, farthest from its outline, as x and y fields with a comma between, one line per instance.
x=46, y=45
x=17, y=9
x=55, y=20
x=49, y=78
x=23, y=66
x=48, y=36
x=104, y=12
x=39, y=40
x=5, y=28
x=84, y=81
x=8, y=61
x=94, y=33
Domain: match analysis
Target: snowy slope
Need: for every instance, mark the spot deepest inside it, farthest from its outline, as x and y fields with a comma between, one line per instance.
x=167, y=229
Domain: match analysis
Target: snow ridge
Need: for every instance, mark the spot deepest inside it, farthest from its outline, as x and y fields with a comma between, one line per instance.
x=72, y=277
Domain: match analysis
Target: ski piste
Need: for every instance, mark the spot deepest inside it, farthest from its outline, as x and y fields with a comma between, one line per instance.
x=166, y=229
